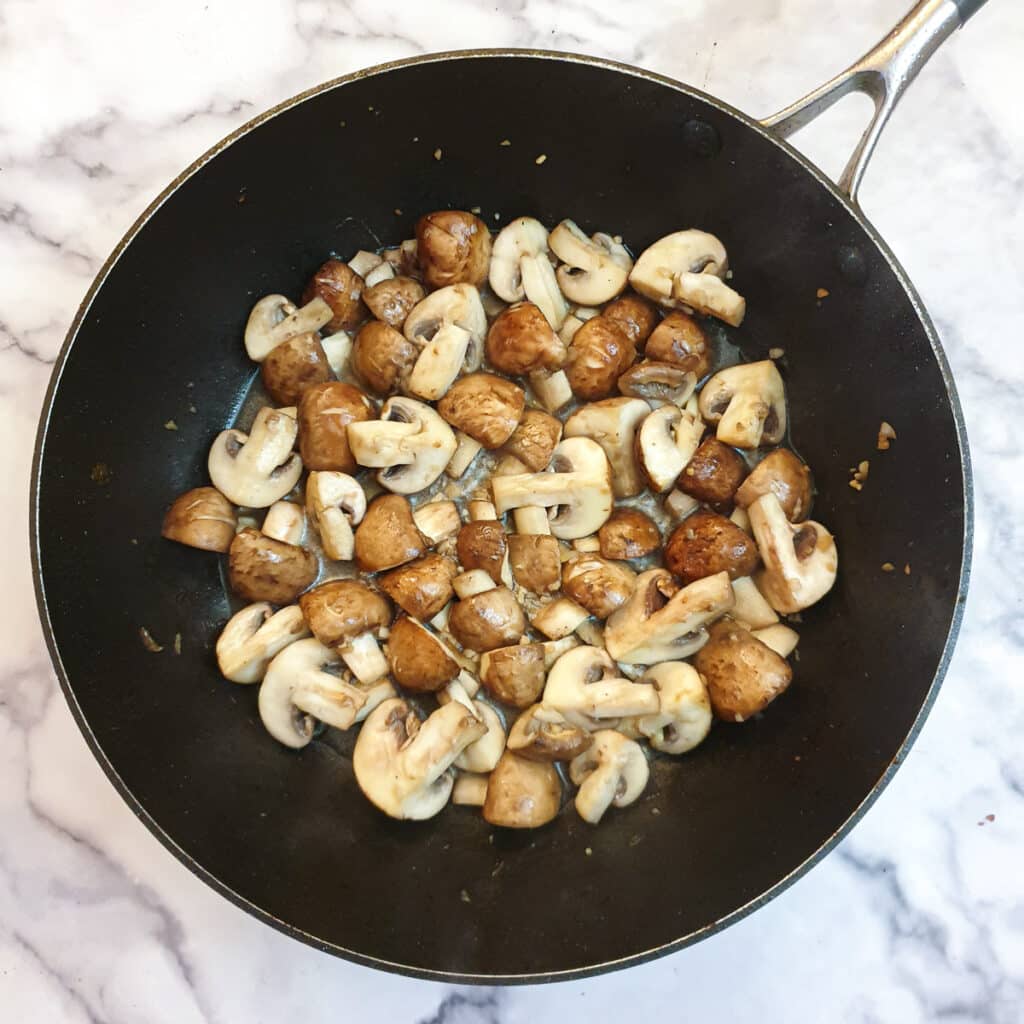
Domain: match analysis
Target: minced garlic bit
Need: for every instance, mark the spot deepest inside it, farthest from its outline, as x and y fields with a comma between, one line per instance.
x=856, y=485
x=170, y=425
x=860, y=474
x=398, y=212
x=906, y=569
x=474, y=209
x=822, y=293
x=148, y=642
x=541, y=158
x=505, y=142
x=177, y=643
x=886, y=435
x=776, y=353
x=588, y=851
x=464, y=896
x=437, y=153
x=888, y=567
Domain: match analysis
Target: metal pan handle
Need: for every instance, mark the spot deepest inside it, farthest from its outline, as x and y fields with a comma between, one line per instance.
x=882, y=73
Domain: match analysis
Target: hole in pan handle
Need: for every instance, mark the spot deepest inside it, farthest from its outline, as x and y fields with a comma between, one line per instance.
x=882, y=73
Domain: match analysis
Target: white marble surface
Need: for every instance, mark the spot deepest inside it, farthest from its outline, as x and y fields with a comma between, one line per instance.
x=920, y=912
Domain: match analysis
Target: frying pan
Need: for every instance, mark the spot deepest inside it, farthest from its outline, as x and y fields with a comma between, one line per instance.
x=288, y=837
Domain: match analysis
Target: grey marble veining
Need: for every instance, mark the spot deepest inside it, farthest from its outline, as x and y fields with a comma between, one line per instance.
x=918, y=916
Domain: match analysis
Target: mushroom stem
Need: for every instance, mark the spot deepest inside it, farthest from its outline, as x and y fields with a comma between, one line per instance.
x=466, y=450
x=553, y=390
x=532, y=520
x=364, y=658
x=382, y=443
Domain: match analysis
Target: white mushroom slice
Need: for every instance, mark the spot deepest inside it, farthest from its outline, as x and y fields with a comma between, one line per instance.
x=653, y=626
x=376, y=693
x=469, y=584
x=781, y=639
x=483, y=754
x=403, y=765
x=364, y=658
x=800, y=559
x=285, y=521
x=587, y=545
x=748, y=402
x=680, y=504
x=410, y=443
x=750, y=608
x=336, y=503
x=297, y=689
x=595, y=269
x=256, y=469
x=275, y=320
x=466, y=450
x=585, y=686
x=666, y=441
x=570, y=326
x=382, y=272
x=439, y=363
x=523, y=236
x=437, y=520
x=554, y=649
x=541, y=287
x=338, y=349
x=684, y=708
x=532, y=520
x=577, y=485
x=591, y=632
x=448, y=326
x=553, y=390
x=254, y=636
x=470, y=789
x=364, y=261
x=741, y=519
x=613, y=771
x=708, y=294
x=559, y=618
x=613, y=424
x=483, y=511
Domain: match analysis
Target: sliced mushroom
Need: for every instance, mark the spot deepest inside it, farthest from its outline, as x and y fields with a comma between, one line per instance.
x=707, y=543
x=285, y=521
x=613, y=424
x=483, y=545
x=520, y=269
x=637, y=316
x=534, y=440
x=665, y=443
x=324, y=414
x=335, y=503
x=419, y=659
x=449, y=327
x=713, y=474
x=275, y=320
x=393, y=299
x=514, y=674
x=481, y=755
x=382, y=357
x=535, y=561
x=263, y=569
x=474, y=581
x=679, y=505
x=781, y=639
x=743, y=675
x=410, y=444
x=422, y=587
x=388, y=535
x=253, y=636
x=470, y=789
x=258, y=468
x=748, y=402
x=522, y=793
x=628, y=534
x=585, y=685
x=487, y=620
x=453, y=247
x=657, y=383
x=403, y=765
x=298, y=690
x=787, y=477
x=596, y=584
x=543, y=734
x=486, y=407
x=342, y=289
x=684, y=715
x=612, y=772
x=521, y=341
x=595, y=269
x=660, y=623
x=559, y=618
x=552, y=390
x=437, y=520
x=800, y=560
x=680, y=340
x=201, y=518
x=601, y=351
x=466, y=450
x=293, y=367
x=750, y=608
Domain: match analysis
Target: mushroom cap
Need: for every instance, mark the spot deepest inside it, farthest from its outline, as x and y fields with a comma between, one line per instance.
x=201, y=518
x=629, y=533
x=534, y=440
x=679, y=339
x=522, y=793
x=263, y=569
x=585, y=685
x=543, y=734
x=486, y=407
x=256, y=469
x=324, y=413
x=742, y=674
x=392, y=300
x=488, y=620
x=613, y=424
x=274, y=320
x=613, y=771
x=522, y=237
x=422, y=587
x=594, y=271
x=787, y=477
x=254, y=636
x=382, y=357
x=535, y=561
x=341, y=288
x=600, y=352
x=418, y=658
x=706, y=543
x=341, y=610
x=388, y=537
x=636, y=315
x=692, y=251
x=748, y=402
x=453, y=247
x=293, y=367
x=657, y=382
x=598, y=585
x=665, y=443
x=520, y=341
x=514, y=674
x=713, y=474
x=482, y=545
x=684, y=708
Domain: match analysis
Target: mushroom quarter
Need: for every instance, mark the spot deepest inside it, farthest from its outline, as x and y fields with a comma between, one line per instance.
x=600, y=352
x=201, y=518
x=483, y=545
x=342, y=289
x=636, y=315
x=787, y=477
x=713, y=475
x=486, y=407
x=453, y=247
x=521, y=340
x=263, y=569
x=388, y=537
x=421, y=588
x=392, y=300
x=706, y=543
x=680, y=340
x=293, y=367
x=487, y=620
x=382, y=357
x=324, y=413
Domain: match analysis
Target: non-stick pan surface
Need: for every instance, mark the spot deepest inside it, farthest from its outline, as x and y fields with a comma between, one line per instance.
x=287, y=835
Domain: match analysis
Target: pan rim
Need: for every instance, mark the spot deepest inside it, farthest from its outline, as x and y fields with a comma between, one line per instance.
x=576, y=973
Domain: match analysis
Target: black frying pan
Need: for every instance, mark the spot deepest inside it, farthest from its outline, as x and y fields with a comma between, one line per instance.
x=288, y=836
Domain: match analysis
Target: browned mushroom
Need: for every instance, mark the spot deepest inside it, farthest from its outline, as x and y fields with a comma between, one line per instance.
x=598, y=585
x=340, y=610
x=453, y=247
x=522, y=793
x=422, y=587
x=787, y=477
x=533, y=441
x=706, y=543
x=387, y=537
x=544, y=734
x=657, y=382
x=382, y=357
x=713, y=474
x=391, y=300
x=536, y=561
x=514, y=674
x=482, y=545
x=263, y=569
x=487, y=620
x=629, y=534
x=485, y=407
x=600, y=352
x=521, y=340
x=418, y=659
x=201, y=518
x=637, y=316
x=342, y=289
x=324, y=414
x=293, y=367
x=681, y=340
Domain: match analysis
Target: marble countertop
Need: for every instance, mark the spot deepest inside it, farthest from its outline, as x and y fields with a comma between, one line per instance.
x=919, y=914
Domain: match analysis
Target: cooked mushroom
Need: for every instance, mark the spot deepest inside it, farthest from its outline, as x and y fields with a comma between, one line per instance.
x=559, y=618
x=585, y=685
x=403, y=765
x=533, y=441
x=707, y=543
x=293, y=367
x=324, y=414
x=680, y=340
x=522, y=793
x=437, y=520
x=470, y=789
x=419, y=659
x=453, y=247
x=748, y=402
x=275, y=320
x=487, y=620
x=535, y=561
x=743, y=675
x=382, y=358
x=341, y=288
x=521, y=341
x=713, y=474
x=298, y=690
x=520, y=269
x=364, y=262
x=253, y=636
x=661, y=623
x=544, y=734
x=787, y=477
x=410, y=444
x=422, y=587
x=466, y=450
x=628, y=534
x=596, y=584
x=800, y=560
x=552, y=390
x=486, y=407
x=579, y=487
x=285, y=521
x=595, y=269
x=613, y=771
x=263, y=569
x=600, y=352
x=613, y=424
x=684, y=708
x=258, y=468
x=750, y=608
x=482, y=545
x=393, y=299
x=637, y=316
x=201, y=518
x=514, y=674
x=335, y=503
x=665, y=443
x=657, y=382
x=449, y=327
x=388, y=536
x=483, y=754
x=781, y=639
